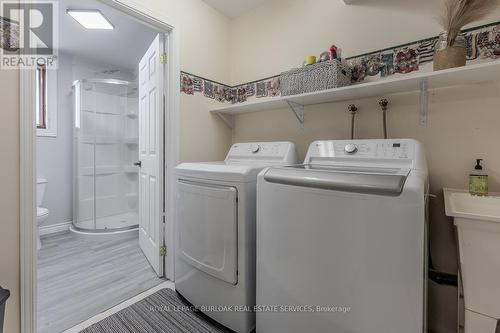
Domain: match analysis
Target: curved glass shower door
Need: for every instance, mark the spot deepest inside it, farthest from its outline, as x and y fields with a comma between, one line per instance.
x=105, y=150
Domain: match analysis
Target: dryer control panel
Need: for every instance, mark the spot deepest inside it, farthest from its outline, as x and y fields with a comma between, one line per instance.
x=262, y=151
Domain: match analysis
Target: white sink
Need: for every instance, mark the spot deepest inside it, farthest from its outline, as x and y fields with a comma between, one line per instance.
x=460, y=203
x=477, y=220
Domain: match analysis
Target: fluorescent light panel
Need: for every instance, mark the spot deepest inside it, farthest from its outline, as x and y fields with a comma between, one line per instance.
x=91, y=19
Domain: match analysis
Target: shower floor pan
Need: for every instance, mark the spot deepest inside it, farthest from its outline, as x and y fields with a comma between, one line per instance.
x=125, y=224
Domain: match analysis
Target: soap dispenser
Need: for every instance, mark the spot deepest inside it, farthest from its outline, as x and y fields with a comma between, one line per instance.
x=478, y=180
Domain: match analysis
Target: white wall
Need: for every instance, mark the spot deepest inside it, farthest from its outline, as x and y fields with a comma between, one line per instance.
x=55, y=154
x=9, y=195
x=279, y=34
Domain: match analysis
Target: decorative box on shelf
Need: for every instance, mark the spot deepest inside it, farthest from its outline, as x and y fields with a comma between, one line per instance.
x=321, y=76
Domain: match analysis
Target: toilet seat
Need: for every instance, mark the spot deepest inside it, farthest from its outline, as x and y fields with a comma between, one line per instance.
x=40, y=211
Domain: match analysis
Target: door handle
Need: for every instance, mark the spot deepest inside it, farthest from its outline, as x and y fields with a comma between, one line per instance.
x=139, y=164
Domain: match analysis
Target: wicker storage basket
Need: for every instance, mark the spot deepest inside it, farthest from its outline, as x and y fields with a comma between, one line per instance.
x=320, y=76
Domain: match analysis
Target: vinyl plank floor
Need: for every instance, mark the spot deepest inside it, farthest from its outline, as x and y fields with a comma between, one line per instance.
x=79, y=278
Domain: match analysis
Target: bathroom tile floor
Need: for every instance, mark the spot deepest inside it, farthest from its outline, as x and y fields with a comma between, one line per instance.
x=80, y=278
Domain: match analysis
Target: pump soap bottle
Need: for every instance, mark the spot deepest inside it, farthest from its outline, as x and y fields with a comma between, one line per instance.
x=478, y=180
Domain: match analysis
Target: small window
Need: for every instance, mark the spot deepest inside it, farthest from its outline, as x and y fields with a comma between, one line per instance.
x=41, y=97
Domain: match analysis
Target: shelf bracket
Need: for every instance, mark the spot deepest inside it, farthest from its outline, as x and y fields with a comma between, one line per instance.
x=227, y=120
x=424, y=102
x=298, y=111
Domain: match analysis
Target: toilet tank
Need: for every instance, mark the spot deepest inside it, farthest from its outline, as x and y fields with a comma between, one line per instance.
x=40, y=190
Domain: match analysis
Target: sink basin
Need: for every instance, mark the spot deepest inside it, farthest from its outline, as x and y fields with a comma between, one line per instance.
x=460, y=203
x=478, y=228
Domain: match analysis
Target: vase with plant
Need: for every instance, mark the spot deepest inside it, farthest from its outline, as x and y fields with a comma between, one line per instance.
x=451, y=47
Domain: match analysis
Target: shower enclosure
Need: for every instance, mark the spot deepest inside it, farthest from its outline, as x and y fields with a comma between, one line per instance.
x=105, y=155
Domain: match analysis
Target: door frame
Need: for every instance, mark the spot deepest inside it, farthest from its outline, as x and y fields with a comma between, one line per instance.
x=28, y=226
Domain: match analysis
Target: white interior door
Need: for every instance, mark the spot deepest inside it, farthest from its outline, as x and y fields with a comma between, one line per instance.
x=151, y=151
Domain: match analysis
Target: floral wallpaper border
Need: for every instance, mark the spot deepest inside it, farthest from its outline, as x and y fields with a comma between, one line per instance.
x=483, y=44
x=191, y=84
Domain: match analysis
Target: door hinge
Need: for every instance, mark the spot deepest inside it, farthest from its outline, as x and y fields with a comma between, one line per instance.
x=163, y=251
x=163, y=58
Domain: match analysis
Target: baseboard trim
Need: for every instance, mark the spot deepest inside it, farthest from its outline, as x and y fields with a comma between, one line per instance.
x=55, y=228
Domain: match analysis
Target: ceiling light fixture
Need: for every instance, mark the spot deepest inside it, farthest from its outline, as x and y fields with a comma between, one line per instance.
x=90, y=19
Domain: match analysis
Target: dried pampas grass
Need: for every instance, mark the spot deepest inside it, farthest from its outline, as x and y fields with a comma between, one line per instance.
x=458, y=13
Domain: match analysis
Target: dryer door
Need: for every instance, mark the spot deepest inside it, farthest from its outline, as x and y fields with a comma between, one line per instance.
x=208, y=234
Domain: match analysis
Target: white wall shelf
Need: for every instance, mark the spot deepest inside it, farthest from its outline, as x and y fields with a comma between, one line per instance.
x=398, y=83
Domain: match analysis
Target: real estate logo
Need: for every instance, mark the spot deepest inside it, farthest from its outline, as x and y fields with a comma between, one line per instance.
x=29, y=34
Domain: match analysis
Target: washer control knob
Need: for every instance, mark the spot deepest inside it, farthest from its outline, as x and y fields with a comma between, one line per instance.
x=255, y=149
x=351, y=148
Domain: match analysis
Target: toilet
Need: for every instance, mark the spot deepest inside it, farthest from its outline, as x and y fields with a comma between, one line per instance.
x=41, y=213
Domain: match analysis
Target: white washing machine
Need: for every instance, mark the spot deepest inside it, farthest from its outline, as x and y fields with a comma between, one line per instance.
x=341, y=240
x=215, y=257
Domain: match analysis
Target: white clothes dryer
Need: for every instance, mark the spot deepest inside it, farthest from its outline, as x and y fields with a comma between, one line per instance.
x=215, y=256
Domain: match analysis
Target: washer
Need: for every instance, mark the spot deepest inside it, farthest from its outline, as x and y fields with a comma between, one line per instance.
x=215, y=257
x=341, y=240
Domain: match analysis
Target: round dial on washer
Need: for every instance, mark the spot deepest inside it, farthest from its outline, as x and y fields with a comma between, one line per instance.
x=255, y=149
x=351, y=148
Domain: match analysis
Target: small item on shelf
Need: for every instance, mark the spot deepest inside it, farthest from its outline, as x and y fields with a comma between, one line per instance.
x=310, y=60
x=478, y=180
x=331, y=54
x=334, y=52
x=451, y=49
x=321, y=76
x=450, y=56
x=324, y=56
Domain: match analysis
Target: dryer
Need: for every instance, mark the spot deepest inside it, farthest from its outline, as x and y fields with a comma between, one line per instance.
x=215, y=257
x=341, y=240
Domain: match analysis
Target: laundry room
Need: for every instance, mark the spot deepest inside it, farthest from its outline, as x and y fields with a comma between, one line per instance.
x=252, y=166
x=456, y=124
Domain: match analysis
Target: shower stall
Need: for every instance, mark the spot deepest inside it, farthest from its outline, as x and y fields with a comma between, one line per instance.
x=105, y=152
